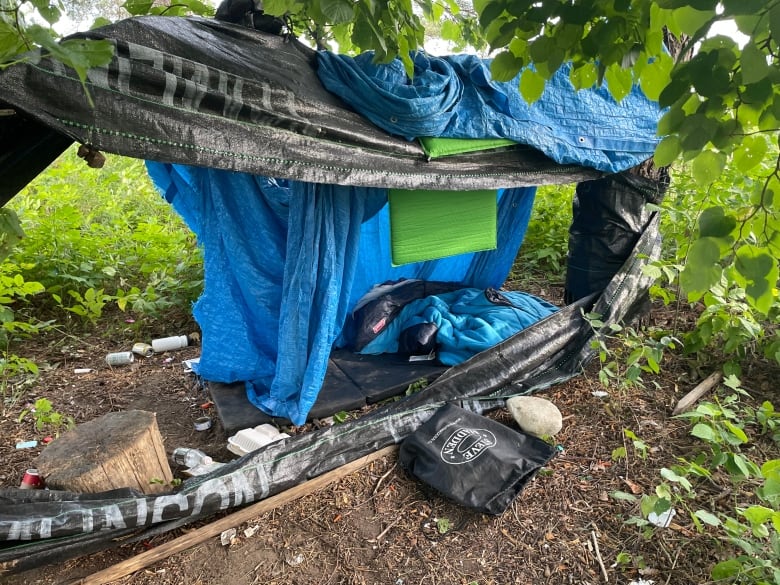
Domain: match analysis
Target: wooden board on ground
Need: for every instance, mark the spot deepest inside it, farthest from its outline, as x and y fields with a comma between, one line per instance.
x=116, y=450
x=202, y=534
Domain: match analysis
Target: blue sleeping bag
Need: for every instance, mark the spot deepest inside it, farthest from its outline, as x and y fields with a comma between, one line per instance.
x=468, y=321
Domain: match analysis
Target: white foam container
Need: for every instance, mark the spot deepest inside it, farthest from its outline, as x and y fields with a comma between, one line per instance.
x=248, y=440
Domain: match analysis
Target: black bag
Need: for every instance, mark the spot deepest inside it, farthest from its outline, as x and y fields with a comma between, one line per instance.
x=473, y=460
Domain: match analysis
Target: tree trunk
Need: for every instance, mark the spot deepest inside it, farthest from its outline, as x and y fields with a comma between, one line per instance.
x=117, y=450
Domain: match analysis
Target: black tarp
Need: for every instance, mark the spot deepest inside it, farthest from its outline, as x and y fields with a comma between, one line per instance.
x=205, y=93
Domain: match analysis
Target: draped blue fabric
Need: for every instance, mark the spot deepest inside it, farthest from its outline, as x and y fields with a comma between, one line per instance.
x=285, y=262
x=455, y=97
x=467, y=322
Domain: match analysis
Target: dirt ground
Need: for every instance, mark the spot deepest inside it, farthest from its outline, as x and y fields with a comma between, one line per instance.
x=378, y=526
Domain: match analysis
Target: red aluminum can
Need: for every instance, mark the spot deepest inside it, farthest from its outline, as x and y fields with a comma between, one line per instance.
x=31, y=480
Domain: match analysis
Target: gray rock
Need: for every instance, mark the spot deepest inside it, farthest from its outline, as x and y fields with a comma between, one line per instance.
x=536, y=416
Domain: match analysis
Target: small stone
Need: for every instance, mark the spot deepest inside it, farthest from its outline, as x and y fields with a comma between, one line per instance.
x=536, y=416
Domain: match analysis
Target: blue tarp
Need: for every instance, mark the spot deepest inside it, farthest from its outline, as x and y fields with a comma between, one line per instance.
x=454, y=97
x=285, y=261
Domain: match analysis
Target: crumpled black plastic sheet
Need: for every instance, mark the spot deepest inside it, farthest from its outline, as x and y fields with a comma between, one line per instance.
x=206, y=93
x=609, y=215
x=552, y=351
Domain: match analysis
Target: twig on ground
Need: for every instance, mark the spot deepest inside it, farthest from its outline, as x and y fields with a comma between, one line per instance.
x=389, y=526
x=598, y=555
x=384, y=476
x=674, y=564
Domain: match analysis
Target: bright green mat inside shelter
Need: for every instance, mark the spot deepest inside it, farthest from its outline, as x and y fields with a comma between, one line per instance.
x=438, y=147
x=425, y=225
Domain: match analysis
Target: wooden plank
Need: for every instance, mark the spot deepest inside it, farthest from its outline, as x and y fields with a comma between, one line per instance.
x=704, y=386
x=202, y=534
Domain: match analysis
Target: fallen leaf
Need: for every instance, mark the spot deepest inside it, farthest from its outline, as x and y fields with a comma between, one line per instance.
x=634, y=487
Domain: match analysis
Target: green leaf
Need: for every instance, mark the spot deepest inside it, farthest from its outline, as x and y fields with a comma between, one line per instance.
x=757, y=271
x=714, y=223
x=754, y=64
x=671, y=475
x=736, y=431
x=618, y=453
x=584, y=76
x=758, y=514
x=505, y=66
x=705, y=432
x=337, y=11
x=702, y=270
x=138, y=7
x=49, y=12
x=707, y=517
x=656, y=76
x=531, y=85
x=648, y=504
x=774, y=21
x=707, y=167
x=620, y=80
x=667, y=151
x=726, y=570
x=689, y=20
x=451, y=31
x=750, y=152
x=771, y=468
x=736, y=464
x=623, y=496
x=11, y=42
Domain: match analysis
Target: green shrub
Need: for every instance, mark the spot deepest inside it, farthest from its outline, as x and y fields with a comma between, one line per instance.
x=105, y=237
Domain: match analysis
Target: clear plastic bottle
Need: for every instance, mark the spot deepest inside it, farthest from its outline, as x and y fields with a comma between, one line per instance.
x=190, y=457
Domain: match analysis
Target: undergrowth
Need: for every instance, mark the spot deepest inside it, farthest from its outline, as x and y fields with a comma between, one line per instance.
x=78, y=242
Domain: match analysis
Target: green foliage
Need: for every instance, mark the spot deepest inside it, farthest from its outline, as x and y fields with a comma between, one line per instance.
x=546, y=242
x=16, y=375
x=24, y=38
x=723, y=253
x=46, y=418
x=640, y=447
x=99, y=238
x=416, y=386
x=752, y=529
x=723, y=107
x=443, y=525
x=627, y=355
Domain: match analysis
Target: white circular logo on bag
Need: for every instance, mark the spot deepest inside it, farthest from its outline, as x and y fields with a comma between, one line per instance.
x=465, y=445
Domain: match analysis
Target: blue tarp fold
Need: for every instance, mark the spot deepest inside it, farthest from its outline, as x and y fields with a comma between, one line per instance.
x=455, y=97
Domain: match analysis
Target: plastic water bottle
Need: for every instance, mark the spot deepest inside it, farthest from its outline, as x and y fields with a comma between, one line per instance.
x=190, y=457
x=170, y=343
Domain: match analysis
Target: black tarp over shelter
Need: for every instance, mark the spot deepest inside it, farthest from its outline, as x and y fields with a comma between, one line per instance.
x=202, y=93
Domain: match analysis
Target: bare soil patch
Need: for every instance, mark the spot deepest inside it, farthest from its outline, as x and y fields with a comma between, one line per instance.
x=378, y=526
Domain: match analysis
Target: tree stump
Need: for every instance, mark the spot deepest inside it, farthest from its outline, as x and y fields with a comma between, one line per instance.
x=116, y=450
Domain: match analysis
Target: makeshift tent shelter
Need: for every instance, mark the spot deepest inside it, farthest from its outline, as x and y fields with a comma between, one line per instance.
x=242, y=133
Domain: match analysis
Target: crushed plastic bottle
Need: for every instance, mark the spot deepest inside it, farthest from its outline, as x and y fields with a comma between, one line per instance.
x=190, y=457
